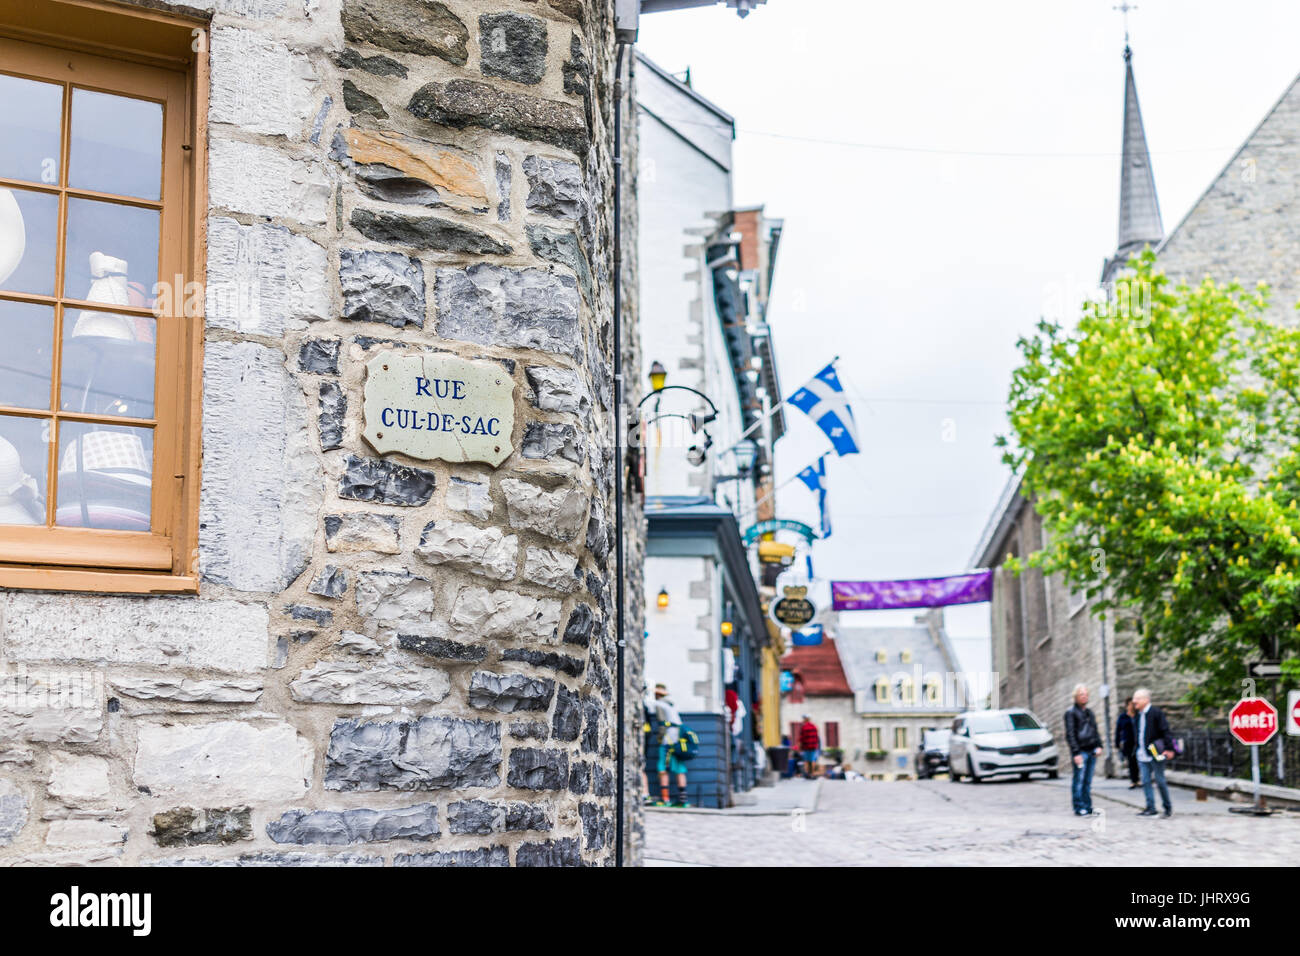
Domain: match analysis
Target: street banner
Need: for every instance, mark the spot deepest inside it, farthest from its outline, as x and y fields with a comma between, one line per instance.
x=918, y=592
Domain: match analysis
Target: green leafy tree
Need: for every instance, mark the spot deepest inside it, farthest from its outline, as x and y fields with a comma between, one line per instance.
x=1161, y=441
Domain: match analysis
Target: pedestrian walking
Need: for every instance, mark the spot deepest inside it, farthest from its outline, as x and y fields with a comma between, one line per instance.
x=668, y=727
x=1126, y=743
x=810, y=745
x=1154, y=747
x=1085, y=747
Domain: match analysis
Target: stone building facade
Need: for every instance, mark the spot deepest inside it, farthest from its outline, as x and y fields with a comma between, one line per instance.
x=384, y=660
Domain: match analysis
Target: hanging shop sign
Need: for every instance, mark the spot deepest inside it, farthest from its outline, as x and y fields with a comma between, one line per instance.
x=438, y=407
x=756, y=531
x=794, y=610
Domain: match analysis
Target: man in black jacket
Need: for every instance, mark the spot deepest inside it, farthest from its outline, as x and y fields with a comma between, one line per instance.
x=1152, y=735
x=1085, y=747
x=1126, y=743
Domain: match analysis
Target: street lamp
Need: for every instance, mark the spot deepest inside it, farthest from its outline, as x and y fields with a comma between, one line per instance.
x=658, y=375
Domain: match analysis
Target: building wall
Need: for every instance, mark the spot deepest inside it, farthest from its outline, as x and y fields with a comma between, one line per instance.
x=681, y=644
x=1244, y=226
x=855, y=730
x=429, y=641
x=684, y=182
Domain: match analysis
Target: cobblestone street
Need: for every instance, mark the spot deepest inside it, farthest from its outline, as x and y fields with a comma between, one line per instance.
x=936, y=822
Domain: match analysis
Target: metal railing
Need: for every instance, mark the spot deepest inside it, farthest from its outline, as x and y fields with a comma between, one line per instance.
x=1214, y=751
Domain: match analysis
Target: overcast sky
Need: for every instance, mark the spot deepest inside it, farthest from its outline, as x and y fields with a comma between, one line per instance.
x=917, y=249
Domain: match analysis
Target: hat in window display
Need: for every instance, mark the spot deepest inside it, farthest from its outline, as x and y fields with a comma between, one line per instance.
x=105, y=480
x=15, y=487
x=108, y=284
x=13, y=234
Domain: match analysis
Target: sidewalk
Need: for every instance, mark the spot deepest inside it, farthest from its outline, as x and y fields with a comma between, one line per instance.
x=781, y=800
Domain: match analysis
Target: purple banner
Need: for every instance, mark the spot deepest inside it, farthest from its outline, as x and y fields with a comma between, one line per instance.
x=921, y=592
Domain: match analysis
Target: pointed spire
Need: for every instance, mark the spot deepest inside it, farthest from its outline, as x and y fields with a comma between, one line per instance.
x=1139, y=210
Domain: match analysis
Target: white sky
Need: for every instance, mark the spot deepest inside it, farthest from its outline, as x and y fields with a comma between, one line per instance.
x=921, y=263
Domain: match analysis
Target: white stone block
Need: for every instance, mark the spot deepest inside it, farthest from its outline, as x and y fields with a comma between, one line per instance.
x=263, y=279
x=259, y=84
x=386, y=682
x=486, y=551
x=262, y=181
x=551, y=569
x=172, y=632
x=221, y=690
x=75, y=833
x=223, y=761
x=396, y=601
x=261, y=482
x=472, y=497
x=504, y=614
x=79, y=778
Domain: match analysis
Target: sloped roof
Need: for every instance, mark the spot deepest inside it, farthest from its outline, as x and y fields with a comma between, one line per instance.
x=819, y=667
x=858, y=649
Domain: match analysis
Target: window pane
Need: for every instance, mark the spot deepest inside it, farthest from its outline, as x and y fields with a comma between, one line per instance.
x=108, y=364
x=27, y=356
x=112, y=253
x=116, y=145
x=105, y=475
x=24, y=454
x=29, y=238
x=31, y=113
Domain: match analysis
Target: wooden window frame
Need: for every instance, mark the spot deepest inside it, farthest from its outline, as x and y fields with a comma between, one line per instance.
x=139, y=52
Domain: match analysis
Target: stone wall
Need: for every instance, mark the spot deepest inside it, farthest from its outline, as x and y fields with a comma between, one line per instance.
x=390, y=661
x=1244, y=226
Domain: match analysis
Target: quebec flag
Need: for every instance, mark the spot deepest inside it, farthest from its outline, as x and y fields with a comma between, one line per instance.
x=822, y=400
x=814, y=476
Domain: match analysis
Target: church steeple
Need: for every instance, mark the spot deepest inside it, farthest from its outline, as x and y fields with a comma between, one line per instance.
x=1139, y=210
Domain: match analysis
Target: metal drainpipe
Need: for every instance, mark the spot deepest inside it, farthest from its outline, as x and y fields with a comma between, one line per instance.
x=1110, y=767
x=619, y=483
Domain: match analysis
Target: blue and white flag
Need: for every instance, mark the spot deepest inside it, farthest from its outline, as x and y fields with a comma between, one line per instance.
x=822, y=400
x=814, y=476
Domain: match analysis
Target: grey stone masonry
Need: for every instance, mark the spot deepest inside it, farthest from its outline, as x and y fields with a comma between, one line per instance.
x=381, y=659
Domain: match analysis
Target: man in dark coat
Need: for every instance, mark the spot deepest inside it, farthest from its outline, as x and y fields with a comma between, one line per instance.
x=1085, y=747
x=1126, y=743
x=1154, y=747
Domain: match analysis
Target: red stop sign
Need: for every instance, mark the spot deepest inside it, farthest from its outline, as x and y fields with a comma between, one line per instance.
x=1253, y=720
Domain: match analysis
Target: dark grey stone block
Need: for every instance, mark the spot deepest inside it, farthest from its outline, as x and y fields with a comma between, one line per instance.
x=512, y=46
x=427, y=753
x=359, y=825
x=536, y=769
x=385, y=482
x=509, y=693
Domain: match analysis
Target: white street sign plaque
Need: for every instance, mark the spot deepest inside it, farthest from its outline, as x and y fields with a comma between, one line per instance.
x=433, y=406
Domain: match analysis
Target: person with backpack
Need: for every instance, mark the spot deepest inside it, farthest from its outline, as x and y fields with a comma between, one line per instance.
x=668, y=730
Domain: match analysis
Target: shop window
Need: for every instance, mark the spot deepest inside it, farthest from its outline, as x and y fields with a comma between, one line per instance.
x=900, y=738
x=100, y=303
